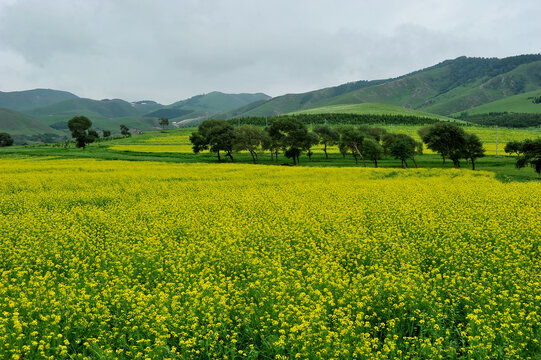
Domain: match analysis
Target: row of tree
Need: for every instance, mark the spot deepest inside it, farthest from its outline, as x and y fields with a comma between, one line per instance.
x=289, y=135
x=505, y=119
x=336, y=119
x=83, y=133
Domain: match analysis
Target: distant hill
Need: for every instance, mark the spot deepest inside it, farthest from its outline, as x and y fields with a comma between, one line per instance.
x=206, y=105
x=17, y=123
x=371, y=108
x=30, y=99
x=446, y=88
x=101, y=108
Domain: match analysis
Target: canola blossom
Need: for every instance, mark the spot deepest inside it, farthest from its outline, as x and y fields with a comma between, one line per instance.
x=142, y=260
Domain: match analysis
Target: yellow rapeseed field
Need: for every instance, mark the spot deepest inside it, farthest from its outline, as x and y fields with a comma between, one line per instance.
x=141, y=260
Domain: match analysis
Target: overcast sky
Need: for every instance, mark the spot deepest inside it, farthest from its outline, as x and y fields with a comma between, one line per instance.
x=171, y=50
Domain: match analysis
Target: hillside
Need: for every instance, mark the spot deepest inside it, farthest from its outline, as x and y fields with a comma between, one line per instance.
x=370, y=108
x=206, y=105
x=29, y=99
x=294, y=102
x=521, y=103
x=17, y=123
x=105, y=108
x=446, y=88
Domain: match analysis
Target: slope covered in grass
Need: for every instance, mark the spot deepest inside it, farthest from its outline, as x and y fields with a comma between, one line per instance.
x=17, y=123
x=370, y=108
x=521, y=103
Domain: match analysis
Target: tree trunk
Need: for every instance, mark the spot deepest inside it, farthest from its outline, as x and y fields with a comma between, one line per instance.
x=325, y=150
x=253, y=157
x=272, y=155
x=472, y=163
x=361, y=155
x=375, y=163
x=230, y=156
x=219, y=158
x=443, y=157
x=414, y=162
x=276, y=155
x=356, y=161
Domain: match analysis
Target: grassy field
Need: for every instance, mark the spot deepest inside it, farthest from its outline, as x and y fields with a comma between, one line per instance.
x=174, y=146
x=371, y=108
x=146, y=260
x=521, y=103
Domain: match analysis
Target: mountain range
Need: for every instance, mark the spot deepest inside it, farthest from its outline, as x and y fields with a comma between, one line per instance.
x=452, y=87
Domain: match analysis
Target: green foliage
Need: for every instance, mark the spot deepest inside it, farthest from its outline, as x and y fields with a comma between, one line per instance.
x=311, y=139
x=351, y=140
x=373, y=150
x=215, y=135
x=79, y=127
x=163, y=121
x=106, y=133
x=5, y=139
x=447, y=139
x=291, y=134
x=473, y=148
x=327, y=136
x=249, y=138
x=530, y=153
x=338, y=119
x=511, y=120
x=124, y=130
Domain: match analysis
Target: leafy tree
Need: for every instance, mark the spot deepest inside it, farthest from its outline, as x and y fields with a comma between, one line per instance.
x=5, y=139
x=163, y=121
x=94, y=133
x=268, y=143
x=403, y=150
x=215, y=135
x=513, y=147
x=249, y=138
x=79, y=127
x=473, y=148
x=376, y=132
x=327, y=136
x=373, y=150
x=447, y=139
x=352, y=139
x=530, y=154
x=106, y=133
x=124, y=130
x=291, y=135
x=310, y=140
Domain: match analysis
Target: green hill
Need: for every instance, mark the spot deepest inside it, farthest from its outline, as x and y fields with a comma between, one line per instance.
x=446, y=88
x=17, y=123
x=92, y=108
x=30, y=99
x=206, y=105
x=522, y=103
x=371, y=108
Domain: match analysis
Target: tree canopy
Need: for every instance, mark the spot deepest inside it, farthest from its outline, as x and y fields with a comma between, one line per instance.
x=5, y=139
x=80, y=130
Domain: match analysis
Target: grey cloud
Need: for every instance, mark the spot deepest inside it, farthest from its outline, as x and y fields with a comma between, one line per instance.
x=168, y=50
